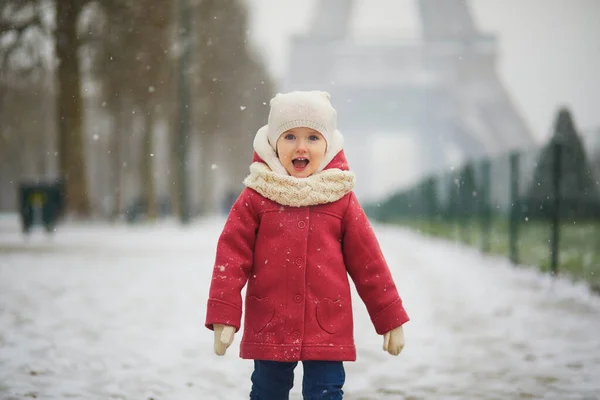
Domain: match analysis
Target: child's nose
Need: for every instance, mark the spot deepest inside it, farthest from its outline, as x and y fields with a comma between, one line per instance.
x=301, y=145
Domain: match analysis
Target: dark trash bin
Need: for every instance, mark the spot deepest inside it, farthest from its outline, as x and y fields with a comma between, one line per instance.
x=41, y=203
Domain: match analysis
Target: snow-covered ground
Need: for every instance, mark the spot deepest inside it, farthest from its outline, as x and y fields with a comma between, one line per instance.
x=101, y=312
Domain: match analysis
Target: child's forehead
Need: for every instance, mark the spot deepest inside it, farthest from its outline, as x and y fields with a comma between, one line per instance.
x=302, y=129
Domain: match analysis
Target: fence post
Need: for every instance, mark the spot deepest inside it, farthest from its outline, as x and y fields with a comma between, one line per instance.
x=463, y=212
x=555, y=233
x=467, y=187
x=515, y=208
x=430, y=203
x=452, y=205
x=485, y=207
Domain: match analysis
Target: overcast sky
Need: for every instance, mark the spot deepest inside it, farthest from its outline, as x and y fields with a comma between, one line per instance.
x=550, y=49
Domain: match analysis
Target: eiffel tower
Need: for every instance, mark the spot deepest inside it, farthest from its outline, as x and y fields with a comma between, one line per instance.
x=444, y=86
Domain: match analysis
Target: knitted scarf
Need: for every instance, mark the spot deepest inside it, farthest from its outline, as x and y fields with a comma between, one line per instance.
x=322, y=187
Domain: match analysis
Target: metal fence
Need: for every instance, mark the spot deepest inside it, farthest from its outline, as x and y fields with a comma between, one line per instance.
x=539, y=207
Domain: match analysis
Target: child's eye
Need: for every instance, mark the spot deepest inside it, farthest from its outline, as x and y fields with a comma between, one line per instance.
x=289, y=136
x=313, y=137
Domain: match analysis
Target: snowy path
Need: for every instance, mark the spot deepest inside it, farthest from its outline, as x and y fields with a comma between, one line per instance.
x=116, y=313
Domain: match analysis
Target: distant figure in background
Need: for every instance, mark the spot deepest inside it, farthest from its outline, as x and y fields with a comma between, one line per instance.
x=294, y=234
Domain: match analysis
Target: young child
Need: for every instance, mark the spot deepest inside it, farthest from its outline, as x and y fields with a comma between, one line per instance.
x=294, y=235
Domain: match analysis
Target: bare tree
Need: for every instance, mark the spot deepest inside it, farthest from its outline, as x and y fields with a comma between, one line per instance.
x=26, y=95
x=111, y=66
x=155, y=22
x=71, y=149
x=247, y=89
x=208, y=21
x=231, y=90
x=253, y=90
x=134, y=67
x=125, y=48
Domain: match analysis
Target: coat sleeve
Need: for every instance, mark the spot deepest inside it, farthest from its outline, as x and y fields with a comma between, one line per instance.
x=368, y=269
x=233, y=264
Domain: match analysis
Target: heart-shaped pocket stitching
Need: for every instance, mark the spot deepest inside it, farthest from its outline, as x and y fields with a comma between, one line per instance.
x=330, y=315
x=260, y=312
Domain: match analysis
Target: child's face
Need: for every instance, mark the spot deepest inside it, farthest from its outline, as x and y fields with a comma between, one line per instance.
x=301, y=151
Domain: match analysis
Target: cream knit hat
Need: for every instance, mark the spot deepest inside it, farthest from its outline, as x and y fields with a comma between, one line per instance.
x=308, y=109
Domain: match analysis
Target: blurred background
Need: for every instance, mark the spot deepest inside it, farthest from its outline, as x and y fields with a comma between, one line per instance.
x=126, y=130
x=475, y=120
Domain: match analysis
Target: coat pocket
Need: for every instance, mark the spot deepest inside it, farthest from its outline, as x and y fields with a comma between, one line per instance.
x=259, y=312
x=330, y=315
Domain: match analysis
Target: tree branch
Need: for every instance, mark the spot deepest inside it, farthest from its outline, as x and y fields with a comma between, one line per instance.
x=8, y=23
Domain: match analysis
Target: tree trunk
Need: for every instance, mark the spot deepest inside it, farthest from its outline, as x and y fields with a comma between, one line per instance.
x=207, y=159
x=116, y=155
x=174, y=172
x=72, y=164
x=147, y=165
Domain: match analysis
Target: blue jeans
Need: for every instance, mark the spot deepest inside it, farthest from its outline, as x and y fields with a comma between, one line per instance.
x=272, y=380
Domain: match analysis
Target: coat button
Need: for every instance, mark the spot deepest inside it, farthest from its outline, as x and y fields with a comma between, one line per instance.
x=299, y=261
x=295, y=334
x=297, y=298
x=301, y=224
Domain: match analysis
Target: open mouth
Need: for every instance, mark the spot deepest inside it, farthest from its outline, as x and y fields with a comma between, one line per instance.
x=300, y=163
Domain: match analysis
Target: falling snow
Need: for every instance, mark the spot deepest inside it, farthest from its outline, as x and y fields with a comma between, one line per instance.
x=101, y=312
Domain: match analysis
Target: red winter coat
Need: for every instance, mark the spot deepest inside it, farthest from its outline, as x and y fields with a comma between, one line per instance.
x=296, y=261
